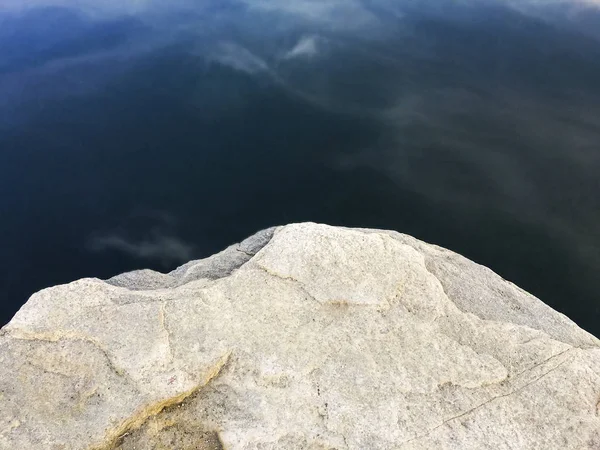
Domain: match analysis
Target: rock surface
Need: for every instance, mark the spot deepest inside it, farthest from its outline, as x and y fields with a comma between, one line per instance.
x=304, y=336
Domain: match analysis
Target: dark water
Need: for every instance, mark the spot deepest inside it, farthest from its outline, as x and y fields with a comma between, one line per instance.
x=148, y=136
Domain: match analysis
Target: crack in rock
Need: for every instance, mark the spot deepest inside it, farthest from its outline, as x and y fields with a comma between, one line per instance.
x=22, y=335
x=483, y=404
x=296, y=282
x=139, y=418
x=162, y=317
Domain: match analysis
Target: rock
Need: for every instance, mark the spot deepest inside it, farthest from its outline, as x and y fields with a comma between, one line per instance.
x=304, y=336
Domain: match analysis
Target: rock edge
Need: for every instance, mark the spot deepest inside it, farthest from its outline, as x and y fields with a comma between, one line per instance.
x=302, y=336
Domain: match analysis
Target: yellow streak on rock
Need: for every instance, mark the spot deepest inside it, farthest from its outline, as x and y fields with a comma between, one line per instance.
x=142, y=415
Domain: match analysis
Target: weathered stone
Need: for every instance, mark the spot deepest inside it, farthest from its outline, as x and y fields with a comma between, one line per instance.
x=305, y=336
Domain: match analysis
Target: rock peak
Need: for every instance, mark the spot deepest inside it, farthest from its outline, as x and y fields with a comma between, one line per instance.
x=302, y=336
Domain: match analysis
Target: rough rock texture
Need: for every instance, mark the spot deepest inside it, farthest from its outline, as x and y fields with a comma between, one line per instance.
x=305, y=336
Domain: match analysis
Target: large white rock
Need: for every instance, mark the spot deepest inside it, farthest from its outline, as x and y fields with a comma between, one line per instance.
x=305, y=336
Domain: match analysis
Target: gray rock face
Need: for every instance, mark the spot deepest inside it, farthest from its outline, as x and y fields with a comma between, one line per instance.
x=302, y=337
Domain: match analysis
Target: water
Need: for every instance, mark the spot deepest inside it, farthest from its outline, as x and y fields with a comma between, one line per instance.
x=134, y=135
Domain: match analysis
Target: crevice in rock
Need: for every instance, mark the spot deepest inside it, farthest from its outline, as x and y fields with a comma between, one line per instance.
x=162, y=317
x=528, y=341
x=542, y=363
x=49, y=371
x=71, y=337
x=115, y=436
x=483, y=404
x=323, y=414
x=336, y=302
x=296, y=282
x=245, y=252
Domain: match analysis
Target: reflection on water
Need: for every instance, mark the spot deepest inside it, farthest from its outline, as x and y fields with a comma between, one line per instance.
x=135, y=135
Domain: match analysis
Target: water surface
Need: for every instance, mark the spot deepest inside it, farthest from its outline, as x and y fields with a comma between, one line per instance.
x=138, y=135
